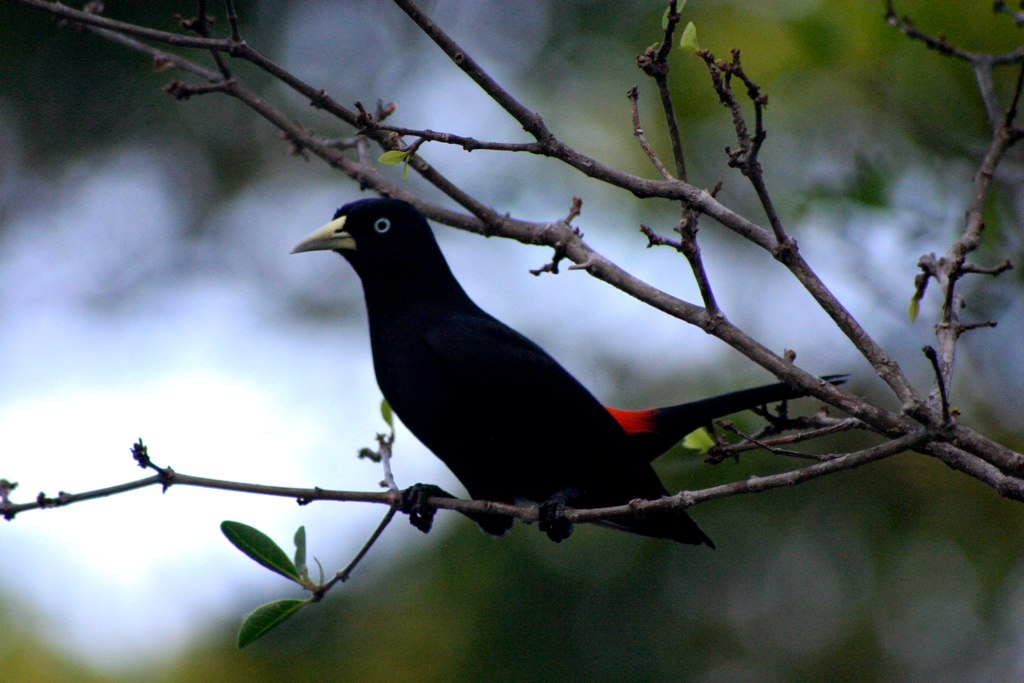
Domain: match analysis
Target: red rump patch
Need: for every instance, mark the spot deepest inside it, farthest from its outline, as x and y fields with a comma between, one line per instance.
x=636, y=421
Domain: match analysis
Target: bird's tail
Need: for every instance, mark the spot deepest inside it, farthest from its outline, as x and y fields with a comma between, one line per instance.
x=654, y=430
x=674, y=525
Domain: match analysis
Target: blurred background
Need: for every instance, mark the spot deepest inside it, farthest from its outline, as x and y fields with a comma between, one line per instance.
x=146, y=290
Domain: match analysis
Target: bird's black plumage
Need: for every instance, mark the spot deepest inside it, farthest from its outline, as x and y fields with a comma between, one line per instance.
x=510, y=422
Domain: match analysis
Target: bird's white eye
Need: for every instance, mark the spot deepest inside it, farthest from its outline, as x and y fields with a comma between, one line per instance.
x=381, y=225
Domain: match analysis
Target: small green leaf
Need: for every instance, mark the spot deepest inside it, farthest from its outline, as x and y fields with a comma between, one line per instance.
x=689, y=39
x=699, y=440
x=405, y=169
x=300, y=551
x=393, y=156
x=664, y=17
x=385, y=412
x=266, y=617
x=261, y=548
x=914, y=305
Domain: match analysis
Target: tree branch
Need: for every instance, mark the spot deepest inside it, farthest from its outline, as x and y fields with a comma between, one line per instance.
x=166, y=477
x=963, y=443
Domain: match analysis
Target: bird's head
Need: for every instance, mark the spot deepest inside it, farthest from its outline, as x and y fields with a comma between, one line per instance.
x=381, y=238
x=372, y=226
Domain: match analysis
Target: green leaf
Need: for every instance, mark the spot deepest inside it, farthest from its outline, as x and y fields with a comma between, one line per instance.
x=914, y=305
x=405, y=169
x=300, y=551
x=664, y=17
x=385, y=412
x=261, y=548
x=689, y=39
x=699, y=440
x=393, y=156
x=266, y=617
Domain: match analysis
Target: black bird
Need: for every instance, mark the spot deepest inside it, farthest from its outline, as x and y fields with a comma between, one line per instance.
x=510, y=422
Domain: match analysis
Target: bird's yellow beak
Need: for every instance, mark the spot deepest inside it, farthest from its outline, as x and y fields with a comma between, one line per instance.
x=331, y=237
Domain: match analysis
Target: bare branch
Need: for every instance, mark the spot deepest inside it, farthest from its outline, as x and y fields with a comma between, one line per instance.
x=963, y=443
x=229, y=6
x=200, y=26
x=1018, y=89
x=1006, y=485
x=654, y=63
x=933, y=357
x=641, y=137
x=531, y=122
x=176, y=39
x=1018, y=17
x=772, y=441
x=980, y=62
x=167, y=477
x=756, y=484
x=344, y=575
x=467, y=143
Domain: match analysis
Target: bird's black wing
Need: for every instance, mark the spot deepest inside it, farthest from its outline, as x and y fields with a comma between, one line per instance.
x=535, y=412
x=547, y=434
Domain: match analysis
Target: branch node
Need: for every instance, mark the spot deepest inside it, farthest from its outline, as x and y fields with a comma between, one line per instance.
x=552, y=265
x=785, y=250
x=364, y=119
x=166, y=477
x=181, y=90
x=319, y=99
x=6, y=487
x=563, y=232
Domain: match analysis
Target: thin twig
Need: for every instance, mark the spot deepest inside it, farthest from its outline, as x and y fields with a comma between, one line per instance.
x=980, y=62
x=1018, y=88
x=688, y=226
x=759, y=484
x=933, y=358
x=774, y=440
x=200, y=25
x=343, y=575
x=655, y=64
x=168, y=478
x=1017, y=17
x=229, y=6
x=467, y=143
x=641, y=137
x=752, y=442
x=385, y=441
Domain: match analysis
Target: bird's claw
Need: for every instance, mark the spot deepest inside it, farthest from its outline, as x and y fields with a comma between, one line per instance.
x=552, y=521
x=414, y=503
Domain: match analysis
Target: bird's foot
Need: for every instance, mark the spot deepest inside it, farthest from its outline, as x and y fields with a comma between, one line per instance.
x=414, y=504
x=551, y=515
